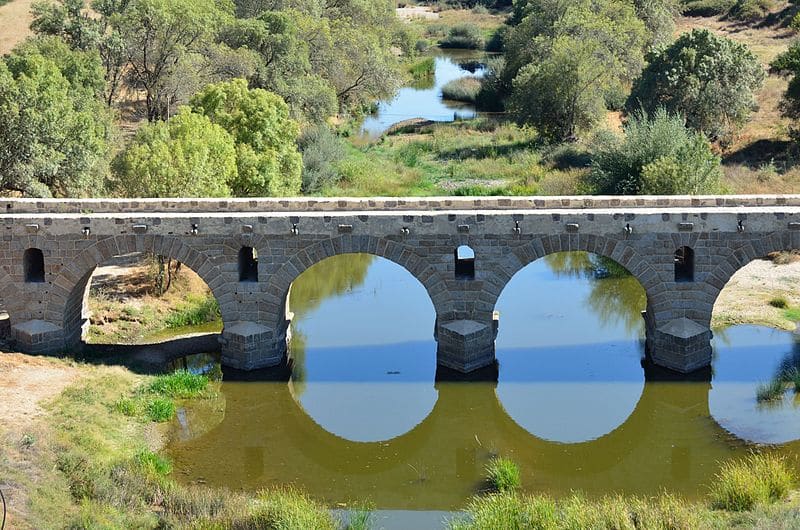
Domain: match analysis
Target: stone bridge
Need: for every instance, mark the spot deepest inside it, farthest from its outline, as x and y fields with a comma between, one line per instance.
x=683, y=250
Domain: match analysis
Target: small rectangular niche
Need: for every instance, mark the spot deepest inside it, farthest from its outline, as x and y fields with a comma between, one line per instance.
x=465, y=263
x=33, y=265
x=248, y=264
x=684, y=265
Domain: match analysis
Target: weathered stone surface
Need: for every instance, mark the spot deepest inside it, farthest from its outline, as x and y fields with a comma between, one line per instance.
x=421, y=235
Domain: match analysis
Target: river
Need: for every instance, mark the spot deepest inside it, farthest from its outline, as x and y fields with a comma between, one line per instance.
x=363, y=415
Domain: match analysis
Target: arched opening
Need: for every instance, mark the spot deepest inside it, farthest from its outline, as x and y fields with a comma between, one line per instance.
x=141, y=298
x=465, y=263
x=362, y=348
x=756, y=351
x=684, y=265
x=33, y=266
x=248, y=264
x=571, y=337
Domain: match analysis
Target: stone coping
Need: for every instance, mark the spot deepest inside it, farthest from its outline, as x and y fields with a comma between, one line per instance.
x=14, y=206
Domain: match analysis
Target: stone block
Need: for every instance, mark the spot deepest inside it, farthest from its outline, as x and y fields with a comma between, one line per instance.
x=465, y=345
x=38, y=337
x=249, y=346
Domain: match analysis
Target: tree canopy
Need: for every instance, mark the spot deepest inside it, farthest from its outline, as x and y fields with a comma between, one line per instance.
x=708, y=79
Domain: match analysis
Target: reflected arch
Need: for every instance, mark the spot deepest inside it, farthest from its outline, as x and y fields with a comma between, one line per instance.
x=581, y=337
x=362, y=356
x=71, y=286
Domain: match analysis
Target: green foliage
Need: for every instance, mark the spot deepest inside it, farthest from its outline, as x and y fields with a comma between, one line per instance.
x=503, y=474
x=180, y=384
x=287, y=509
x=321, y=149
x=422, y=69
x=267, y=160
x=188, y=156
x=464, y=89
x=565, y=56
x=758, y=479
x=770, y=391
x=792, y=313
x=495, y=86
x=153, y=464
x=657, y=155
x=659, y=19
x=787, y=64
x=466, y=36
x=706, y=8
x=780, y=302
x=708, y=79
x=160, y=410
x=126, y=407
x=55, y=128
x=751, y=10
x=193, y=312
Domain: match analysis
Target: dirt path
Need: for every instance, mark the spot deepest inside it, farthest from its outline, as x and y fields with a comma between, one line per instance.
x=15, y=21
x=412, y=12
x=26, y=381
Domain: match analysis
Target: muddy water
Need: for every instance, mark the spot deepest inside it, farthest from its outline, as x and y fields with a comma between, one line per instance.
x=363, y=415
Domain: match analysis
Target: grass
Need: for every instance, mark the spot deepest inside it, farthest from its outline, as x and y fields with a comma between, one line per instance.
x=770, y=391
x=503, y=474
x=464, y=89
x=758, y=479
x=195, y=311
x=792, y=313
x=422, y=69
x=160, y=410
x=180, y=384
x=779, y=302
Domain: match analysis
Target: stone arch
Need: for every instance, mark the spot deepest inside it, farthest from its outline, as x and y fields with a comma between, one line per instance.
x=67, y=303
x=617, y=250
x=741, y=254
x=398, y=253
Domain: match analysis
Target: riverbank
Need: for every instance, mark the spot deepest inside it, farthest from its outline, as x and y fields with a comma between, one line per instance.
x=87, y=456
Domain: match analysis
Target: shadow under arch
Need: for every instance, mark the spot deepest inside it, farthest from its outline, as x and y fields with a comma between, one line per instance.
x=369, y=352
x=71, y=285
x=447, y=452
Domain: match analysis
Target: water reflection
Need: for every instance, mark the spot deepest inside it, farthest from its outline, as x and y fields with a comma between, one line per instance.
x=364, y=358
x=424, y=99
x=551, y=382
x=347, y=426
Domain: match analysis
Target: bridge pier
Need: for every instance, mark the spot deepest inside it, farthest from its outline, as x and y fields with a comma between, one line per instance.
x=249, y=346
x=37, y=337
x=681, y=344
x=465, y=345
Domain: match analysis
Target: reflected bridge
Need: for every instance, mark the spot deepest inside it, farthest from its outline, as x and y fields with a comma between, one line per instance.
x=463, y=250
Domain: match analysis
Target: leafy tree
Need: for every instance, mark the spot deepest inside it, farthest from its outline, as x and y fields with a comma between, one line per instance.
x=708, y=79
x=267, y=160
x=656, y=156
x=565, y=56
x=187, y=156
x=787, y=65
x=159, y=37
x=659, y=18
x=55, y=128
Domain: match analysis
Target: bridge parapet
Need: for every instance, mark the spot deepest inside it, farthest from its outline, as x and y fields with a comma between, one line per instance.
x=682, y=250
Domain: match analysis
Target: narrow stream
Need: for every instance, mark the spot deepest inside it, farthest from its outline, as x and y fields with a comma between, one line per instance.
x=363, y=415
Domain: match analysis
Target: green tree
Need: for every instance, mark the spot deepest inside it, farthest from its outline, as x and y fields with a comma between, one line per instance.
x=659, y=18
x=787, y=64
x=187, y=156
x=566, y=56
x=708, y=79
x=268, y=163
x=656, y=156
x=55, y=128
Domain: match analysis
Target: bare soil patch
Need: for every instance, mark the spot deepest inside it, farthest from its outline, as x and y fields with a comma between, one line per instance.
x=26, y=381
x=15, y=21
x=412, y=12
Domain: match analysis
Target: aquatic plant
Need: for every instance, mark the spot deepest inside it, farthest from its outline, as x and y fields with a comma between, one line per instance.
x=758, y=479
x=503, y=474
x=180, y=384
x=770, y=391
x=462, y=89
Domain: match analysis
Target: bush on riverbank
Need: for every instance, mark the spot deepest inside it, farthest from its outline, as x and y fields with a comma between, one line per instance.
x=463, y=36
x=463, y=89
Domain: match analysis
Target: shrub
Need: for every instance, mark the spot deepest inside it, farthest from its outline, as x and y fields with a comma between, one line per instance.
x=494, y=86
x=657, y=155
x=497, y=40
x=466, y=36
x=181, y=384
x=422, y=69
x=751, y=10
x=160, y=410
x=503, y=474
x=322, y=150
x=779, y=302
x=463, y=89
x=706, y=8
x=758, y=479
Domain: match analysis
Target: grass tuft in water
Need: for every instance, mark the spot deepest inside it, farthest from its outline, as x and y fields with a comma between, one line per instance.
x=464, y=89
x=160, y=409
x=181, y=384
x=758, y=479
x=503, y=474
x=770, y=391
